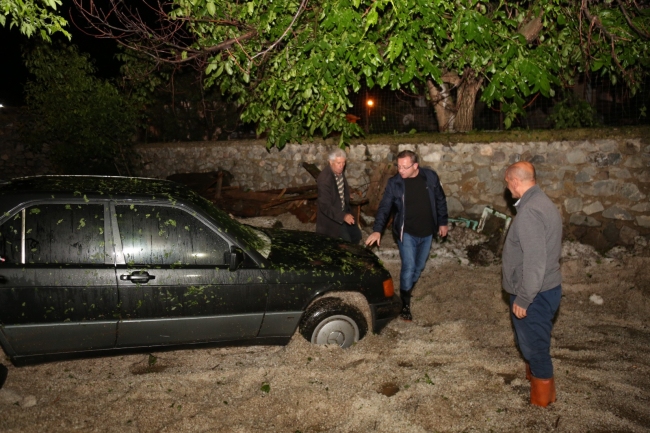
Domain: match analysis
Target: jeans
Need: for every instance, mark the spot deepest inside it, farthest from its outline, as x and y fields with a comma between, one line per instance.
x=533, y=332
x=414, y=252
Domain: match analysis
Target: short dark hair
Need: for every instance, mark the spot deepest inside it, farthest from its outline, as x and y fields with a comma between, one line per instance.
x=410, y=154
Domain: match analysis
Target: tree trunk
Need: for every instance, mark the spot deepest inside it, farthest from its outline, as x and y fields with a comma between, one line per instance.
x=455, y=115
x=466, y=103
x=443, y=104
x=458, y=115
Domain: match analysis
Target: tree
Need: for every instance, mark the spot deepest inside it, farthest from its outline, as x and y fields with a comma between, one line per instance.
x=86, y=120
x=31, y=16
x=292, y=63
x=174, y=103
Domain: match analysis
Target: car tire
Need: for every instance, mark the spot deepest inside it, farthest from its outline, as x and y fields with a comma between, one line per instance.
x=331, y=321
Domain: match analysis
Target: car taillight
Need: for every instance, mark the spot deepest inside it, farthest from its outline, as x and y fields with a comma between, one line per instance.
x=389, y=290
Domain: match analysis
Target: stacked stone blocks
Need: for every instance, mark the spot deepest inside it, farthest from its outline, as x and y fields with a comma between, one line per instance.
x=596, y=184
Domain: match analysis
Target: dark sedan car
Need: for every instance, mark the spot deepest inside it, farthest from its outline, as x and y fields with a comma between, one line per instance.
x=92, y=263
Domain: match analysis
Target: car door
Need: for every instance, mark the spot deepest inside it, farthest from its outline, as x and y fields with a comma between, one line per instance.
x=58, y=291
x=174, y=284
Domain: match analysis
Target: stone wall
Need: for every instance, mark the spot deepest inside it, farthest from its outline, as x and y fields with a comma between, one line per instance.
x=599, y=179
x=600, y=185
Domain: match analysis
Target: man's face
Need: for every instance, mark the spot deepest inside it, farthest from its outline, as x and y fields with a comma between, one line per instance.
x=406, y=168
x=337, y=165
x=512, y=186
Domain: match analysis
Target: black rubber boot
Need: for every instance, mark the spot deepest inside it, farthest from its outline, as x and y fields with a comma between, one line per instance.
x=406, y=305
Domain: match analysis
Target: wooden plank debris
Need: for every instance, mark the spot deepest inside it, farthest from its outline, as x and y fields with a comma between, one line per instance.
x=300, y=201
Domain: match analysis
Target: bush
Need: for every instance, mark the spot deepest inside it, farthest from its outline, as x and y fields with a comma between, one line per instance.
x=573, y=112
x=86, y=120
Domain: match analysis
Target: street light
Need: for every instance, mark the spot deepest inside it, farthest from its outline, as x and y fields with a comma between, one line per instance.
x=369, y=103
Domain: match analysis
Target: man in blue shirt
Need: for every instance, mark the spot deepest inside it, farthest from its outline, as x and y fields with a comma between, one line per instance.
x=421, y=211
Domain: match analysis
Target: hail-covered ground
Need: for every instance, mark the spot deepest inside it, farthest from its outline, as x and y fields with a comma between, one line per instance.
x=454, y=368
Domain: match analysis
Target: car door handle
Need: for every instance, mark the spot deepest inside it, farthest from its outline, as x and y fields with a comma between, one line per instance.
x=138, y=277
x=3, y=280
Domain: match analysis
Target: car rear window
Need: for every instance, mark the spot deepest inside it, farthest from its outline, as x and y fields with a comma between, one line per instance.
x=55, y=233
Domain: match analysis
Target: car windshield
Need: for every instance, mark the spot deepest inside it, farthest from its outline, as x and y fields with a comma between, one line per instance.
x=246, y=234
x=265, y=249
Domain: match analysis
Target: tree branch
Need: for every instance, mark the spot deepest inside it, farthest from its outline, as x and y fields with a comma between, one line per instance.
x=451, y=77
x=640, y=32
x=166, y=42
x=531, y=29
x=595, y=22
x=295, y=17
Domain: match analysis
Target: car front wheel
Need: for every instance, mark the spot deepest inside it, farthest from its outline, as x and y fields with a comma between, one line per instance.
x=331, y=321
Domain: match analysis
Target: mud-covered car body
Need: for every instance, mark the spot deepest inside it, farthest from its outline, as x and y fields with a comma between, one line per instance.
x=92, y=264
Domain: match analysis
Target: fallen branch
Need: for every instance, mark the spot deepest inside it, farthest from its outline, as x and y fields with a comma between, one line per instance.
x=285, y=200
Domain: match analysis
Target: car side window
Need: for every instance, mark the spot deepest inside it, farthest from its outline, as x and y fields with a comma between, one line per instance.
x=10, y=235
x=64, y=233
x=162, y=235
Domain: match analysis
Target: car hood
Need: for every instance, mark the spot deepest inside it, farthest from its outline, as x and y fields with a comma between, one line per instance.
x=309, y=251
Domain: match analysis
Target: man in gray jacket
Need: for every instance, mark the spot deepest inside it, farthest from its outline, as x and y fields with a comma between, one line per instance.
x=531, y=275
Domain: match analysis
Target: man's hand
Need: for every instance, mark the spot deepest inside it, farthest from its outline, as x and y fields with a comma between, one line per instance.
x=348, y=218
x=519, y=312
x=442, y=231
x=375, y=237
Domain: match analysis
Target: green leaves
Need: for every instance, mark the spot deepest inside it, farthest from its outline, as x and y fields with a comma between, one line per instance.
x=371, y=20
x=573, y=113
x=31, y=17
x=212, y=9
x=395, y=48
x=294, y=76
x=86, y=120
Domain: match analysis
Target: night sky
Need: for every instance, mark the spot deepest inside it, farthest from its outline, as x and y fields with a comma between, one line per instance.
x=13, y=74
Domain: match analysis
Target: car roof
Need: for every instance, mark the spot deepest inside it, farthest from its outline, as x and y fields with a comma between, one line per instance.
x=113, y=186
x=36, y=188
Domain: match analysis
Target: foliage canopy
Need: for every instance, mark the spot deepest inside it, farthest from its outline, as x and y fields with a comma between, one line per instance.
x=292, y=63
x=31, y=16
x=85, y=119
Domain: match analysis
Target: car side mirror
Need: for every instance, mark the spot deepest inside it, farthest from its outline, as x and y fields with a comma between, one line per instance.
x=234, y=258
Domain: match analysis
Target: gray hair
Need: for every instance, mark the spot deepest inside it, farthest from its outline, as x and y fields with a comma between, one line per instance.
x=337, y=153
